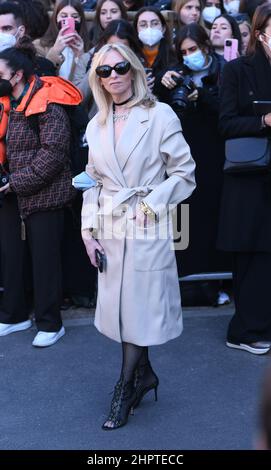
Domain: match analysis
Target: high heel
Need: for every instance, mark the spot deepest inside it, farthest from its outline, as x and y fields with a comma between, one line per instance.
x=145, y=380
x=122, y=404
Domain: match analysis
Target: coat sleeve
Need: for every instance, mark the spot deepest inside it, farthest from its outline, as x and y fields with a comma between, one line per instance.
x=50, y=158
x=231, y=123
x=180, y=169
x=90, y=207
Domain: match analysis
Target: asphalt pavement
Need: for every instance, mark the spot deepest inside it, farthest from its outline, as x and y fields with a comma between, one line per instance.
x=58, y=397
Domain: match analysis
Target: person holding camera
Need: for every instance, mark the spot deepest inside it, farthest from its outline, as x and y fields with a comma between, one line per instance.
x=192, y=89
x=245, y=225
x=143, y=168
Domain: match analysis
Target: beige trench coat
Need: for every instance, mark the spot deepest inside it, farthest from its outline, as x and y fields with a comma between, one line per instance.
x=138, y=294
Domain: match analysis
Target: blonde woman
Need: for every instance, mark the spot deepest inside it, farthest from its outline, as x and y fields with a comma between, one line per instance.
x=245, y=29
x=142, y=164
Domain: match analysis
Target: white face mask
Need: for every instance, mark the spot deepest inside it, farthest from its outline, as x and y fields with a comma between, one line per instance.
x=209, y=14
x=150, y=36
x=6, y=40
x=232, y=7
x=195, y=61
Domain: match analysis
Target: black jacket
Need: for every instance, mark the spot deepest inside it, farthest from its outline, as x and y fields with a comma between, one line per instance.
x=245, y=224
x=200, y=128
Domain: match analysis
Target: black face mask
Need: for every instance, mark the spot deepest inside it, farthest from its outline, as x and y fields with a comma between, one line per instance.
x=77, y=26
x=5, y=87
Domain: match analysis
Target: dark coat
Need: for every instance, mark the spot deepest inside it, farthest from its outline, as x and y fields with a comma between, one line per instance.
x=38, y=158
x=245, y=222
x=200, y=128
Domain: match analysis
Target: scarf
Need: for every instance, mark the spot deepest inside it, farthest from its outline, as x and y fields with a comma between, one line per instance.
x=150, y=55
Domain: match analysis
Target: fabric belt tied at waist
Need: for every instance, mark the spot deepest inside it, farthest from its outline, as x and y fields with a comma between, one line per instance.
x=124, y=194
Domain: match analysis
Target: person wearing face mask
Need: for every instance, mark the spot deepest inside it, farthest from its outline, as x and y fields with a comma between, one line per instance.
x=211, y=10
x=245, y=225
x=232, y=6
x=63, y=47
x=195, y=99
x=35, y=153
x=14, y=24
x=155, y=40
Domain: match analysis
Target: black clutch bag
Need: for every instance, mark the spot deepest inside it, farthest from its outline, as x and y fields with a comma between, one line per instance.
x=247, y=155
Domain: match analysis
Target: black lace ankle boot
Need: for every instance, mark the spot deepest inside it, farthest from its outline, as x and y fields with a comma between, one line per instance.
x=121, y=405
x=145, y=380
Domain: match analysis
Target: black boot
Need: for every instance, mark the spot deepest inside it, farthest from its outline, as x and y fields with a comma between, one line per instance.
x=121, y=405
x=145, y=380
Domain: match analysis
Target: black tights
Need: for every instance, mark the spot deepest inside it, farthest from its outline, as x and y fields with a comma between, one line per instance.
x=132, y=357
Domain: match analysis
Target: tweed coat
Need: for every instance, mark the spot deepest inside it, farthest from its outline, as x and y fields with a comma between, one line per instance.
x=138, y=293
x=38, y=151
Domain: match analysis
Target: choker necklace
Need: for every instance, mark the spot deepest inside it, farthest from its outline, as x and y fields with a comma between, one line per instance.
x=123, y=102
x=122, y=116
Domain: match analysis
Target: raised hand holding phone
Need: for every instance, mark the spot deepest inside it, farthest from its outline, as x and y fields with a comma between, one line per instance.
x=231, y=49
x=69, y=25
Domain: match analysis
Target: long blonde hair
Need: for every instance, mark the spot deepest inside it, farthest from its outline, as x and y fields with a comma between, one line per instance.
x=102, y=97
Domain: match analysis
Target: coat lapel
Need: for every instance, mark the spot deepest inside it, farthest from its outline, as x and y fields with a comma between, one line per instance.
x=135, y=128
x=107, y=144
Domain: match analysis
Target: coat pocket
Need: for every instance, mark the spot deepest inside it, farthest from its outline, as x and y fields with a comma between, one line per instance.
x=153, y=252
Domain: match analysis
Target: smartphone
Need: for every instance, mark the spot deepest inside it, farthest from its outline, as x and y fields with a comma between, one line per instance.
x=70, y=23
x=230, y=49
x=100, y=260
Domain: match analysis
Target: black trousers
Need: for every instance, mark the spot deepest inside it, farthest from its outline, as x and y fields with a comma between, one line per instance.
x=44, y=231
x=252, y=294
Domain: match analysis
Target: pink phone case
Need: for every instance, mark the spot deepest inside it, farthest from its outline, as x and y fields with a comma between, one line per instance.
x=70, y=23
x=230, y=49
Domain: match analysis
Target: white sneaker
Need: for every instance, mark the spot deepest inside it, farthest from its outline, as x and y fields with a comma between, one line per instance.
x=7, y=328
x=223, y=298
x=43, y=338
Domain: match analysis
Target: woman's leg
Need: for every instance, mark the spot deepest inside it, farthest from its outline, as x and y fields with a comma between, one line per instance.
x=124, y=393
x=145, y=377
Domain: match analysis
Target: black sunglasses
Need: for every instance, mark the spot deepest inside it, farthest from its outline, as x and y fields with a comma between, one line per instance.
x=121, y=68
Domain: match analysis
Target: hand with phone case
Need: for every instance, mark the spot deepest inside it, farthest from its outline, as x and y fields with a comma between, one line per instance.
x=94, y=250
x=100, y=260
x=68, y=37
x=68, y=25
x=231, y=49
x=76, y=42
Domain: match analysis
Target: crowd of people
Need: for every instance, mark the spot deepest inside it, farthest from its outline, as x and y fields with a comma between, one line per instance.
x=160, y=102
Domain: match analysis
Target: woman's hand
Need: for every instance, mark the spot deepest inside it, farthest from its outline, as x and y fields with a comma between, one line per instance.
x=267, y=119
x=168, y=81
x=142, y=220
x=193, y=96
x=91, y=245
x=150, y=81
x=77, y=45
x=63, y=40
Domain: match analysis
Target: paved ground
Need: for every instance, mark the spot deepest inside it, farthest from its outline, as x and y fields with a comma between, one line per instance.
x=58, y=397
